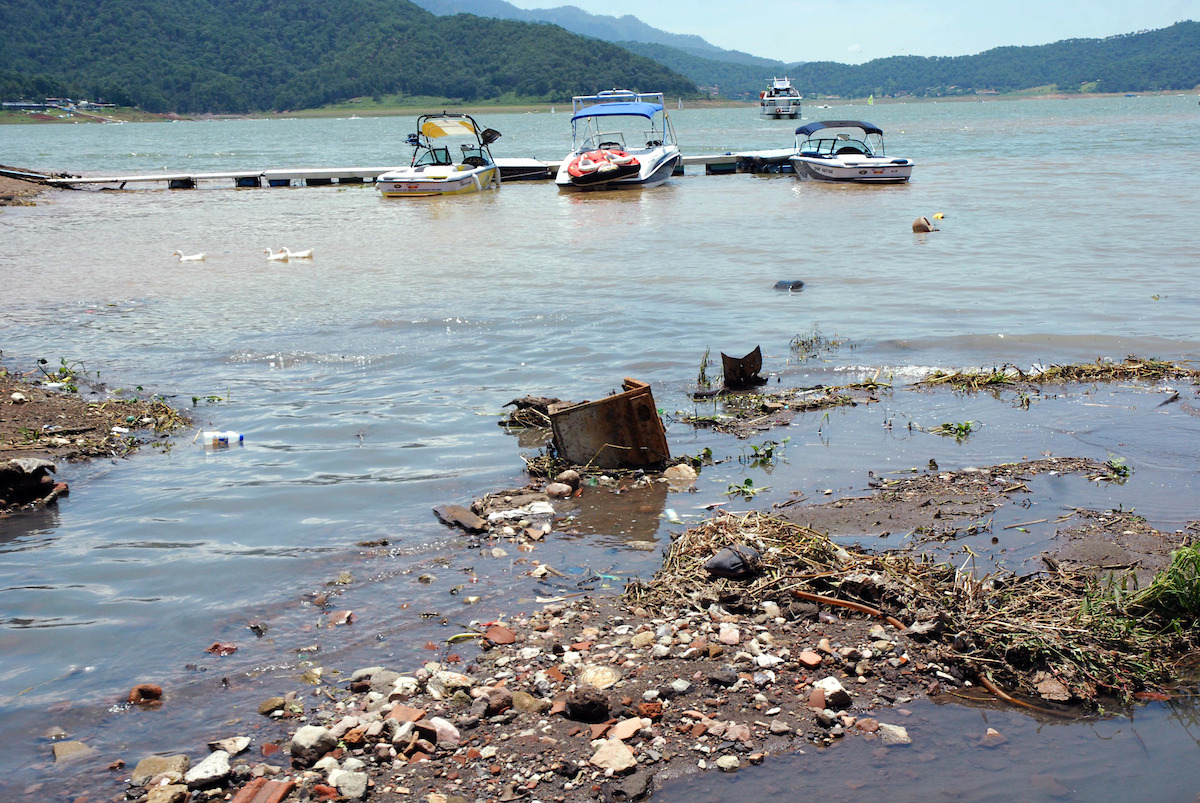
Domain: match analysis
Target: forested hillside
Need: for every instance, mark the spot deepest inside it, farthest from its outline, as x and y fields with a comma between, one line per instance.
x=1165, y=59
x=230, y=56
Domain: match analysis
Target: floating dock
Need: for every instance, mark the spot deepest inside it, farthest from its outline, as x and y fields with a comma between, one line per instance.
x=511, y=169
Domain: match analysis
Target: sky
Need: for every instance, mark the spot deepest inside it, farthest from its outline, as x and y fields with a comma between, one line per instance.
x=854, y=31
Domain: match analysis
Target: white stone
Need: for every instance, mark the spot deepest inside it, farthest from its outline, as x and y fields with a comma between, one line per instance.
x=443, y=684
x=209, y=772
x=728, y=763
x=351, y=784
x=893, y=734
x=615, y=755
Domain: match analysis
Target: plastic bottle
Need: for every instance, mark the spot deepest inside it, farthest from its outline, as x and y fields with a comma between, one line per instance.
x=220, y=439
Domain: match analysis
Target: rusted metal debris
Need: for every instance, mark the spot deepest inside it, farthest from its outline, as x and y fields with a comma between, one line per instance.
x=742, y=372
x=619, y=431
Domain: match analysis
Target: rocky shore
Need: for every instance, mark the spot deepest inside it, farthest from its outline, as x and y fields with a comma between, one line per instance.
x=583, y=700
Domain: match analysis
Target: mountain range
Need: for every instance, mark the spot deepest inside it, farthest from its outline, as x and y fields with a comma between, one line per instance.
x=236, y=56
x=626, y=28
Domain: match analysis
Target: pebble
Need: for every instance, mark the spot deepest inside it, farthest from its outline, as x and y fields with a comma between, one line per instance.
x=728, y=763
x=614, y=755
x=893, y=734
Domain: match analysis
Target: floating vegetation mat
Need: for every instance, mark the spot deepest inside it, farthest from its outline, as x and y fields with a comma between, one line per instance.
x=1133, y=368
x=743, y=414
x=1064, y=636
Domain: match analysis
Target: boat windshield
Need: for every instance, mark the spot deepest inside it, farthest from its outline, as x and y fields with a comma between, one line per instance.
x=840, y=145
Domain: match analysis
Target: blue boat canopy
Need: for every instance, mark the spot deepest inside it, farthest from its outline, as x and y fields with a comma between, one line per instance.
x=630, y=108
x=812, y=128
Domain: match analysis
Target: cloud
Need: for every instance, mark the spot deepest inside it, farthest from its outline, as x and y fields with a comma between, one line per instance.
x=855, y=48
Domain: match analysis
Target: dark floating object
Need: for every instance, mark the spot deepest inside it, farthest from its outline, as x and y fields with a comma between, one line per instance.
x=737, y=562
x=743, y=373
x=793, y=286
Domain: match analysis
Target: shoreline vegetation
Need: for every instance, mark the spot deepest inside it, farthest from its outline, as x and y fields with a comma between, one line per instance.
x=366, y=107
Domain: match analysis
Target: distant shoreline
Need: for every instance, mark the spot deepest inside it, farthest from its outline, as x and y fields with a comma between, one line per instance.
x=125, y=115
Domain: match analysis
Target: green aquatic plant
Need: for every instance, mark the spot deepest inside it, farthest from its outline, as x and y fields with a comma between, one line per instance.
x=959, y=431
x=764, y=454
x=811, y=345
x=744, y=489
x=1174, y=595
x=702, y=379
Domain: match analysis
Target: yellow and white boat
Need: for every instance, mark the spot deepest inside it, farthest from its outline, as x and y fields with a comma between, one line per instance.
x=433, y=170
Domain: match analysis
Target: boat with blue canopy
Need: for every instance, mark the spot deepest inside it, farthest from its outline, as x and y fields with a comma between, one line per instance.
x=846, y=151
x=608, y=130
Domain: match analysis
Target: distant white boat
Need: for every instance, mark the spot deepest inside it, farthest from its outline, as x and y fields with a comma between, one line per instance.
x=780, y=100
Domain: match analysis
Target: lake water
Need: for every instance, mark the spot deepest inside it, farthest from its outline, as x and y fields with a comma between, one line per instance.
x=369, y=381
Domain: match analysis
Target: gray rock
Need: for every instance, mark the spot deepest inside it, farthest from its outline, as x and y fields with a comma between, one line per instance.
x=384, y=681
x=351, y=784
x=212, y=771
x=365, y=674
x=168, y=793
x=725, y=676
x=496, y=700
x=893, y=734
x=587, y=704
x=150, y=766
x=681, y=686
x=233, y=745
x=524, y=701
x=68, y=751
x=311, y=742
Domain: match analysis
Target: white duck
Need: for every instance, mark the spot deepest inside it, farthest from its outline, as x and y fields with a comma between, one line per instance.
x=276, y=257
x=189, y=257
x=297, y=254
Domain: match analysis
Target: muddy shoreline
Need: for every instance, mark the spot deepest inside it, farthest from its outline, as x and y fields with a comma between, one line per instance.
x=592, y=697
x=599, y=697
x=44, y=421
x=18, y=192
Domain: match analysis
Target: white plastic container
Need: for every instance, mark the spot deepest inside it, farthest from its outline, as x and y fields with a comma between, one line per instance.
x=220, y=439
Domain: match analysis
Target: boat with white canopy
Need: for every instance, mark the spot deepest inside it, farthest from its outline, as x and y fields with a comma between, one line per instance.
x=434, y=170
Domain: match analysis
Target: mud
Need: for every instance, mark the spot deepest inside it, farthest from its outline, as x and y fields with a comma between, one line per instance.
x=58, y=424
x=16, y=192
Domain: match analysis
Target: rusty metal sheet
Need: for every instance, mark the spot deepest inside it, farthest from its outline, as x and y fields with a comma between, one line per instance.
x=742, y=372
x=619, y=431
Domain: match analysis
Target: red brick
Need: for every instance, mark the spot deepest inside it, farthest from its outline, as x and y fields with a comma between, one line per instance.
x=261, y=790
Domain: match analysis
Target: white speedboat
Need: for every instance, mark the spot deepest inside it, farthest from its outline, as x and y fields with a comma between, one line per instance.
x=433, y=170
x=846, y=151
x=607, y=135
x=780, y=100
